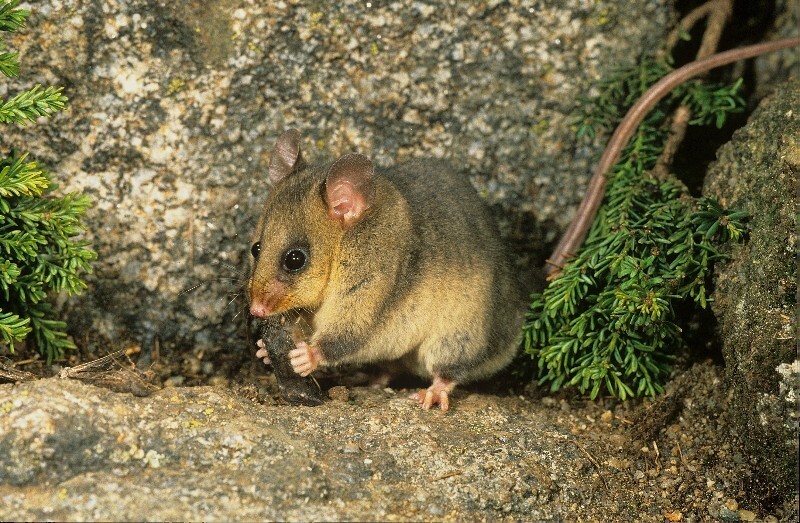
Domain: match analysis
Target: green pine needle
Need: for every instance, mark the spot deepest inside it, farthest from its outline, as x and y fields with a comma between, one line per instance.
x=30, y=105
x=13, y=328
x=9, y=62
x=11, y=18
x=20, y=178
x=40, y=254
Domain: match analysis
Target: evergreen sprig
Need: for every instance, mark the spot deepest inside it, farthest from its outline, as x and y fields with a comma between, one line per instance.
x=11, y=19
x=608, y=322
x=30, y=105
x=40, y=254
x=9, y=62
x=21, y=178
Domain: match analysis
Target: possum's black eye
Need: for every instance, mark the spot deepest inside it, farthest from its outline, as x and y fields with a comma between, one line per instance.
x=255, y=250
x=294, y=260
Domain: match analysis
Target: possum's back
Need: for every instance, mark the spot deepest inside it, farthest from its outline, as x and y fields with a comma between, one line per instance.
x=447, y=213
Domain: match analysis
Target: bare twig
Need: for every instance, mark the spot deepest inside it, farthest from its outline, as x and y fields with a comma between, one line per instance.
x=592, y=460
x=689, y=21
x=680, y=453
x=28, y=361
x=677, y=131
x=12, y=374
x=658, y=457
x=577, y=230
x=449, y=475
x=718, y=12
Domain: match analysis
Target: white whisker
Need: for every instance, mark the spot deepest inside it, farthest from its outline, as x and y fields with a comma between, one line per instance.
x=232, y=300
x=193, y=288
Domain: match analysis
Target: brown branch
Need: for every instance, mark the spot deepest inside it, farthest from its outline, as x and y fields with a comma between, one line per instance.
x=577, y=230
x=718, y=12
x=721, y=11
x=687, y=22
x=677, y=131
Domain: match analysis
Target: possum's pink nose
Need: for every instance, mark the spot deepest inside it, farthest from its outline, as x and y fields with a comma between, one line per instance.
x=269, y=301
x=260, y=310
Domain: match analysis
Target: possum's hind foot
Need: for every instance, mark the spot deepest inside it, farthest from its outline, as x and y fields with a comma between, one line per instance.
x=437, y=394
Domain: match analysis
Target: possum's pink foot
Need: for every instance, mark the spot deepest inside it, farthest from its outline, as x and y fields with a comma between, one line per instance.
x=305, y=358
x=436, y=394
x=261, y=353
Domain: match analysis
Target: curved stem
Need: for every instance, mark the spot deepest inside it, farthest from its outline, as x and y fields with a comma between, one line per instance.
x=576, y=232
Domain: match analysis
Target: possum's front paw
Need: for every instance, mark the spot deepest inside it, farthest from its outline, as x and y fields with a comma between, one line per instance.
x=305, y=358
x=261, y=353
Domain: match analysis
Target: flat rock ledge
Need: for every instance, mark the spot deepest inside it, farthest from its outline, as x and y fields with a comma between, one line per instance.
x=73, y=451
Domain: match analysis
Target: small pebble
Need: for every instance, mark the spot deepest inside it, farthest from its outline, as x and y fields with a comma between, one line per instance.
x=339, y=393
x=726, y=514
x=174, y=381
x=747, y=515
x=351, y=447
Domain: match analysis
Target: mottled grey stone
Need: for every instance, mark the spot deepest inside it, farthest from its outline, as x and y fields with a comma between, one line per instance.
x=204, y=453
x=175, y=105
x=773, y=68
x=755, y=299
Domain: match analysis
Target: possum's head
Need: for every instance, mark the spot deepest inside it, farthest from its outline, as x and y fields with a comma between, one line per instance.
x=300, y=231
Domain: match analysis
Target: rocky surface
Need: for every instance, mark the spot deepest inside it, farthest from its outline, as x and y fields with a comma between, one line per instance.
x=214, y=454
x=174, y=108
x=773, y=68
x=756, y=293
x=175, y=105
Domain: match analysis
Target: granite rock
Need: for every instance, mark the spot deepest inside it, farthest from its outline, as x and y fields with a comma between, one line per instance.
x=174, y=107
x=207, y=453
x=773, y=68
x=70, y=451
x=755, y=299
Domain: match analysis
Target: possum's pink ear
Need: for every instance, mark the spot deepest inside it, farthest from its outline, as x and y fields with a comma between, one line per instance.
x=349, y=188
x=286, y=157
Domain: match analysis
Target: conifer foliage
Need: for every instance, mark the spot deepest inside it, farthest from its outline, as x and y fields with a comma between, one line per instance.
x=38, y=252
x=607, y=322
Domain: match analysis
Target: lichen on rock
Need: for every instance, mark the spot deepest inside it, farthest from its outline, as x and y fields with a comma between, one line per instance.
x=756, y=292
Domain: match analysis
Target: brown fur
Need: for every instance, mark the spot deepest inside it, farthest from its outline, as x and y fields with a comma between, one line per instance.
x=420, y=277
